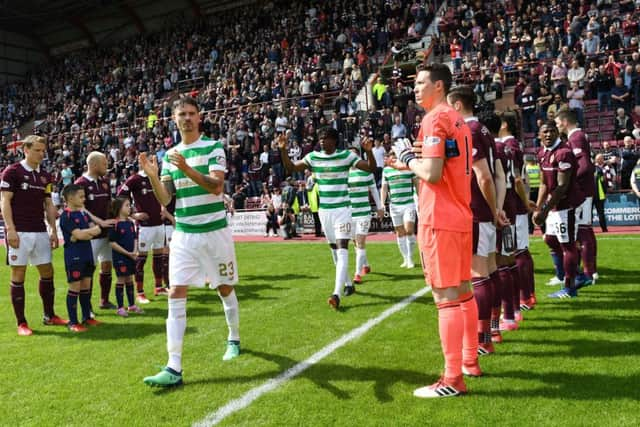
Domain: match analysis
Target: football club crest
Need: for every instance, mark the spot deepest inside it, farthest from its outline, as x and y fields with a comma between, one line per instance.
x=75, y=274
x=105, y=186
x=14, y=257
x=43, y=179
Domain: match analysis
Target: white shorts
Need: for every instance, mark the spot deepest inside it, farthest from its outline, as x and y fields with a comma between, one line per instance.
x=168, y=233
x=200, y=257
x=34, y=249
x=101, y=250
x=584, y=213
x=522, y=231
x=360, y=225
x=336, y=223
x=484, y=238
x=151, y=238
x=562, y=224
x=402, y=214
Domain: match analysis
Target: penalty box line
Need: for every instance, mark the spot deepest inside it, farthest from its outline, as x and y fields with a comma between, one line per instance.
x=248, y=398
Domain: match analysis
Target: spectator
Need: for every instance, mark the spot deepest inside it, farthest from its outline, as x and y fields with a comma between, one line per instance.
x=623, y=125
x=591, y=44
x=629, y=157
x=398, y=130
x=575, y=95
x=239, y=198
x=603, y=84
x=601, y=191
x=608, y=152
x=557, y=105
x=620, y=95
x=527, y=103
x=272, y=225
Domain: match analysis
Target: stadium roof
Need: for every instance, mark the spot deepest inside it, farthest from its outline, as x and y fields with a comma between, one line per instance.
x=59, y=26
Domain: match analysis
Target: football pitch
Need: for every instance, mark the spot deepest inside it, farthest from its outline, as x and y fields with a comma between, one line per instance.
x=573, y=362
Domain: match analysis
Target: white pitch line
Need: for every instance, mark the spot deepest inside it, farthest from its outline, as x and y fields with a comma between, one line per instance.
x=242, y=402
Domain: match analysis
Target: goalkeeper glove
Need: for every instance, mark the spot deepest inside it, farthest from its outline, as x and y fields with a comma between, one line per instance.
x=403, y=150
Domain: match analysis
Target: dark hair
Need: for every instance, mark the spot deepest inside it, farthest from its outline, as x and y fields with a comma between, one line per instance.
x=70, y=190
x=550, y=124
x=465, y=95
x=491, y=120
x=328, y=132
x=187, y=100
x=437, y=72
x=568, y=115
x=116, y=205
x=511, y=119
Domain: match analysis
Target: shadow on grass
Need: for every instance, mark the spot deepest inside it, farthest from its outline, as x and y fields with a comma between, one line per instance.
x=244, y=291
x=276, y=277
x=400, y=276
x=579, y=348
x=114, y=331
x=325, y=374
x=567, y=385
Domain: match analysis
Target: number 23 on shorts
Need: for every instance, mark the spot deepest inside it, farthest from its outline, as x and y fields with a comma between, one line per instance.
x=226, y=270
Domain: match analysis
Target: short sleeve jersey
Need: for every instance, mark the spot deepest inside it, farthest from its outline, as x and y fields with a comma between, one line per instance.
x=400, y=183
x=579, y=144
x=97, y=198
x=30, y=188
x=124, y=234
x=79, y=250
x=197, y=210
x=560, y=159
x=483, y=148
x=503, y=153
x=139, y=188
x=516, y=168
x=359, y=184
x=445, y=205
x=332, y=176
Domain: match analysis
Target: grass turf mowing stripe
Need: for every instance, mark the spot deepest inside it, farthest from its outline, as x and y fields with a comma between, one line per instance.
x=253, y=394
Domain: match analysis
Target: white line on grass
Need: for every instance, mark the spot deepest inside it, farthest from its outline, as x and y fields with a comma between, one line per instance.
x=242, y=402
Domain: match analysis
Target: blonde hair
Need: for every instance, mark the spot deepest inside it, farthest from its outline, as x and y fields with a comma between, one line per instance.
x=93, y=157
x=32, y=139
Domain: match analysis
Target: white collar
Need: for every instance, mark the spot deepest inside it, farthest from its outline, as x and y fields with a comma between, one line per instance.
x=86, y=175
x=471, y=119
x=554, y=146
x=142, y=173
x=572, y=131
x=25, y=165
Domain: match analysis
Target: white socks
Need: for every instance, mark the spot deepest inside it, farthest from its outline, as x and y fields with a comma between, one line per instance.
x=361, y=259
x=411, y=243
x=334, y=255
x=232, y=315
x=176, y=325
x=402, y=245
x=342, y=272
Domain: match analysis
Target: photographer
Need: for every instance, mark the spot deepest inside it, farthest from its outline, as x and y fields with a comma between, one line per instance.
x=287, y=220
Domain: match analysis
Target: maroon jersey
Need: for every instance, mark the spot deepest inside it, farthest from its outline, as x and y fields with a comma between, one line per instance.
x=97, y=198
x=579, y=144
x=560, y=158
x=503, y=153
x=517, y=166
x=483, y=148
x=139, y=187
x=30, y=188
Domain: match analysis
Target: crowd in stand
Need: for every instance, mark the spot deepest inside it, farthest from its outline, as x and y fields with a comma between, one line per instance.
x=272, y=70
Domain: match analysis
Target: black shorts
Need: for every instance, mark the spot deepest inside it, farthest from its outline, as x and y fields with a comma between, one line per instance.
x=124, y=266
x=79, y=269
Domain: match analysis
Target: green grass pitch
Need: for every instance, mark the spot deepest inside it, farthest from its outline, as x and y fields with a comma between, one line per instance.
x=572, y=362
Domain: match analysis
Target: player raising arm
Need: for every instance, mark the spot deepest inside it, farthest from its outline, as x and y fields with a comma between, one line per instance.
x=331, y=169
x=201, y=246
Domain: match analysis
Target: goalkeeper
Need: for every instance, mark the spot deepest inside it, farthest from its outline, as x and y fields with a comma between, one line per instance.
x=445, y=224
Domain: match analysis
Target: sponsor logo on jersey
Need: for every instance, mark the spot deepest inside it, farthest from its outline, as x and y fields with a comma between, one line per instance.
x=430, y=141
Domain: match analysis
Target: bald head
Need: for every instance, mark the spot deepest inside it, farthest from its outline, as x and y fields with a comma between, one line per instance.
x=96, y=164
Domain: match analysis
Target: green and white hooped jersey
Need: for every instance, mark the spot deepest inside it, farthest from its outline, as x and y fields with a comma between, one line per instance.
x=400, y=185
x=359, y=184
x=197, y=210
x=332, y=172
